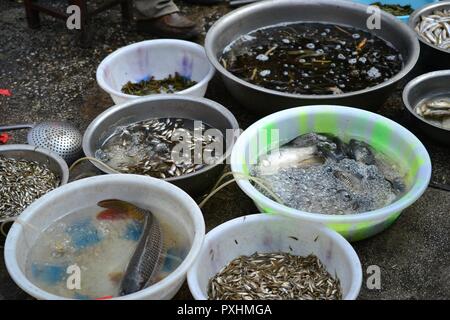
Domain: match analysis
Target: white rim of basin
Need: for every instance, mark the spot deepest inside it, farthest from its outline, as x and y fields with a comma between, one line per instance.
x=176, y=43
x=13, y=235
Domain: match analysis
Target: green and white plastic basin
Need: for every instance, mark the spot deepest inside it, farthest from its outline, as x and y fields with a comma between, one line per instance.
x=384, y=135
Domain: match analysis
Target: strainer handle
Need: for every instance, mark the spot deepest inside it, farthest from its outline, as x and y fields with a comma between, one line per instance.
x=16, y=127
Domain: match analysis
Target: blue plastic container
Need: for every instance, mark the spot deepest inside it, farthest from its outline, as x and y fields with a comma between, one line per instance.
x=415, y=4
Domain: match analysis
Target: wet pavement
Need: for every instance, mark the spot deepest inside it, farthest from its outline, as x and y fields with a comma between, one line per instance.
x=52, y=78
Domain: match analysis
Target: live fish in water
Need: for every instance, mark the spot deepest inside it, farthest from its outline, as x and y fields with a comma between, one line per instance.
x=318, y=172
x=22, y=182
x=117, y=250
x=436, y=111
x=148, y=147
x=274, y=276
x=435, y=28
x=144, y=262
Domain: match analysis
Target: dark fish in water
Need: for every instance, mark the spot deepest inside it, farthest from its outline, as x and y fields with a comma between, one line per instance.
x=397, y=185
x=350, y=180
x=361, y=151
x=146, y=258
x=328, y=146
x=333, y=148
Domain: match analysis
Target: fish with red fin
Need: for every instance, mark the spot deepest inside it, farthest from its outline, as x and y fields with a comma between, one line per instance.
x=146, y=259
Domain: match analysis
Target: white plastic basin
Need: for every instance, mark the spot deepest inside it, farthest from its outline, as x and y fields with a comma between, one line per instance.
x=165, y=200
x=262, y=233
x=157, y=58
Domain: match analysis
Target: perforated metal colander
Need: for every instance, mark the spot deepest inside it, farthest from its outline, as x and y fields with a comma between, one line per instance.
x=60, y=137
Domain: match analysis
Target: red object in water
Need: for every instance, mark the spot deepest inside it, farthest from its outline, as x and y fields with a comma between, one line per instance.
x=112, y=214
x=104, y=298
x=4, y=137
x=5, y=92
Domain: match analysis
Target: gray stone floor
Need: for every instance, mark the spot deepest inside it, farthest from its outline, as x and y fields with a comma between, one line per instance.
x=52, y=78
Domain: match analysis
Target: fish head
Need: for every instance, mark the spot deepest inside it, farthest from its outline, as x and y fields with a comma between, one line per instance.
x=118, y=209
x=361, y=152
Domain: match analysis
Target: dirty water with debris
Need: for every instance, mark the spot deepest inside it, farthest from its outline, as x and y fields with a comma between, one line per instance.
x=312, y=58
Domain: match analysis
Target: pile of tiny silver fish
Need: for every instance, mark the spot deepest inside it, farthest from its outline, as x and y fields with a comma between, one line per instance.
x=436, y=111
x=146, y=147
x=22, y=182
x=435, y=28
x=352, y=177
x=274, y=276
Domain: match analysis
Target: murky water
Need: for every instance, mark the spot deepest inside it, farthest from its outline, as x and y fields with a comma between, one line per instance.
x=100, y=248
x=161, y=148
x=331, y=177
x=312, y=58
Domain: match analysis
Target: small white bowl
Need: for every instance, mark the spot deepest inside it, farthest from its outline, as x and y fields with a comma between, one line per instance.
x=162, y=198
x=157, y=58
x=262, y=233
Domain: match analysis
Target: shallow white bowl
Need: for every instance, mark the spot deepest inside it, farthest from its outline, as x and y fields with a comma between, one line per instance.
x=162, y=198
x=262, y=233
x=157, y=58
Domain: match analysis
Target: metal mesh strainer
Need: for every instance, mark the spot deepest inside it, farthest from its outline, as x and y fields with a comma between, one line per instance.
x=60, y=137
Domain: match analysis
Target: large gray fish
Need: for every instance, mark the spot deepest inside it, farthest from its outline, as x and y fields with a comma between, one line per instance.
x=328, y=145
x=145, y=261
x=288, y=157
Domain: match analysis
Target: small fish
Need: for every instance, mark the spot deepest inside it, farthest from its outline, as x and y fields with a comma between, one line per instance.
x=397, y=185
x=435, y=28
x=361, y=151
x=443, y=103
x=349, y=180
x=145, y=261
x=436, y=111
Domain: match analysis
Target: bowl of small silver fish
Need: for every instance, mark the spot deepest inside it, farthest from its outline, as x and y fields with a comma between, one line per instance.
x=295, y=53
x=26, y=174
x=432, y=25
x=427, y=99
x=350, y=169
x=183, y=140
x=261, y=257
x=106, y=237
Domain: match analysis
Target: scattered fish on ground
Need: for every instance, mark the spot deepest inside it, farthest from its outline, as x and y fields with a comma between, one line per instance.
x=312, y=58
x=171, y=84
x=148, y=147
x=319, y=173
x=22, y=182
x=435, y=28
x=274, y=276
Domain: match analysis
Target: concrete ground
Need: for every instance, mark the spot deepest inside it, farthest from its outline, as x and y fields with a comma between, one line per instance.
x=52, y=78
